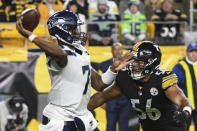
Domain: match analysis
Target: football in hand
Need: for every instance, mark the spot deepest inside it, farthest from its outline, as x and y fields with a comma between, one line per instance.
x=31, y=18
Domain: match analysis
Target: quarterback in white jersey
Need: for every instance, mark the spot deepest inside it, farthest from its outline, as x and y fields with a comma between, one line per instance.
x=71, y=74
x=71, y=87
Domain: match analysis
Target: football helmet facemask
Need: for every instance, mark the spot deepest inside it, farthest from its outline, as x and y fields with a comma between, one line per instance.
x=146, y=59
x=64, y=26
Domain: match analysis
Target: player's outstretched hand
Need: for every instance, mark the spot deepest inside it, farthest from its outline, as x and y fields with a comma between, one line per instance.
x=122, y=61
x=181, y=117
x=21, y=29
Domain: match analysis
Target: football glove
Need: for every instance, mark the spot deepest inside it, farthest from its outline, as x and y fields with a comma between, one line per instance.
x=181, y=117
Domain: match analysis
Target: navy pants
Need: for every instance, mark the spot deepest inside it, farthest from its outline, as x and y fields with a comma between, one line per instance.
x=119, y=115
x=69, y=125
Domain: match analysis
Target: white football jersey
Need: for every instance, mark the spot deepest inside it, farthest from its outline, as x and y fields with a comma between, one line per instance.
x=71, y=89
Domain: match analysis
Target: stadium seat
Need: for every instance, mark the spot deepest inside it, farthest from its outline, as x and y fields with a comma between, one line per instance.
x=11, y=38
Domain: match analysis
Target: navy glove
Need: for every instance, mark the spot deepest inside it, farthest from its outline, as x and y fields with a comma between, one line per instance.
x=181, y=117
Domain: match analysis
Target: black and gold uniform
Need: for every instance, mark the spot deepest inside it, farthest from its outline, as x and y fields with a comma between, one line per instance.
x=154, y=109
x=153, y=93
x=2, y=12
x=17, y=8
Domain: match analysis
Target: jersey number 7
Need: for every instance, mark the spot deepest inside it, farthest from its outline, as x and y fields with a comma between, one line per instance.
x=84, y=69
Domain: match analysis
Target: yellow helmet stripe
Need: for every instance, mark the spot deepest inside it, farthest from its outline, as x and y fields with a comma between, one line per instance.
x=136, y=47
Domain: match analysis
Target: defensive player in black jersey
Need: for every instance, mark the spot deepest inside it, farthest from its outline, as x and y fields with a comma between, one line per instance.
x=154, y=94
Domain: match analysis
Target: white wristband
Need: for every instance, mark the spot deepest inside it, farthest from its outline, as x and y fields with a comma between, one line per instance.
x=32, y=37
x=187, y=108
x=108, y=77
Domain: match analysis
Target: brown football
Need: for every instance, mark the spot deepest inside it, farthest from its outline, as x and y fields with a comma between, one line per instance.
x=31, y=18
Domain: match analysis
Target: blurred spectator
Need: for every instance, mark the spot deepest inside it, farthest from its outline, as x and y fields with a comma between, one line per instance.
x=48, y=8
x=36, y=2
x=117, y=2
x=32, y=1
x=134, y=28
x=82, y=7
x=2, y=11
x=13, y=114
x=183, y=5
x=7, y=2
x=118, y=110
x=168, y=32
x=17, y=7
x=74, y=8
x=186, y=70
x=102, y=33
x=124, y=5
x=112, y=7
x=195, y=4
x=63, y=1
x=150, y=7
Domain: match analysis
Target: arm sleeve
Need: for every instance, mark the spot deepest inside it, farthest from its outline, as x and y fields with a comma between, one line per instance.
x=96, y=37
x=168, y=80
x=129, y=36
x=142, y=36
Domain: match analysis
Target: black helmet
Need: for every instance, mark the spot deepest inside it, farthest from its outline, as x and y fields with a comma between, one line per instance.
x=148, y=52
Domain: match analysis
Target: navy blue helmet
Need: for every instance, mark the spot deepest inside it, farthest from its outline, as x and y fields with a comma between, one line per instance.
x=62, y=25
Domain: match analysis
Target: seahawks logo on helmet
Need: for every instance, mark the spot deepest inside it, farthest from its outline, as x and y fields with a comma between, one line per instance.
x=62, y=24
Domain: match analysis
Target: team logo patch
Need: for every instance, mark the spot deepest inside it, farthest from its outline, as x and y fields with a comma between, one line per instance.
x=154, y=91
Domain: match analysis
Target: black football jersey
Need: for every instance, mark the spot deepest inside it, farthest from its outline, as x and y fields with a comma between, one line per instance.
x=154, y=109
x=172, y=30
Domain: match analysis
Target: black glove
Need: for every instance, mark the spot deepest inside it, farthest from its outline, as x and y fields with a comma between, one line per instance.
x=181, y=117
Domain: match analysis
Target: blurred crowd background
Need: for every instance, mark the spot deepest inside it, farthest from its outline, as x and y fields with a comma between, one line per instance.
x=167, y=22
